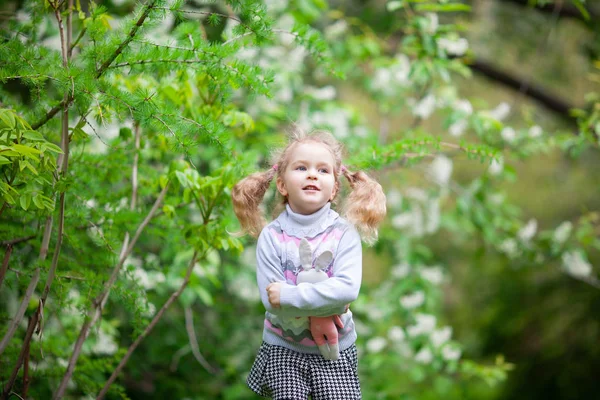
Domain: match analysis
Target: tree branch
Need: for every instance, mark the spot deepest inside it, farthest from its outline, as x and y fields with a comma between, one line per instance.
x=189, y=326
x=4, y=268
x=129, y=38
x=66, y=102
x=564, y=10
x=96, y=310
x=21, y=311
x=551, y=102
x=149, y=328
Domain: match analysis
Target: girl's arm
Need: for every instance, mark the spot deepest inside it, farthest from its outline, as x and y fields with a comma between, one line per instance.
x=269, y=270
x=333, y=293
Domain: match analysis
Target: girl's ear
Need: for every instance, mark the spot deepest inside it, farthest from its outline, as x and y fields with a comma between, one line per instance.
x=281, y=186
x=335, y=190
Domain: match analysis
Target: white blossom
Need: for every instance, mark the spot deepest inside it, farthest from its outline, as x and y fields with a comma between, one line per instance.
x=576, y=265
x=508, y=134
x=464, y=106
x=456, y=47
x=535, y=131
x=396, y=334
x=424, y=356
x=401, y=69
x=425, y=107
x=105, y=344
x=432, y=22
x=376, y=344
x=401, y=270
x=440, y=170
x=417, y=228
x=324, y=93
x=432, y=274
x=458, y=128
x=425, y=325
x=336, y=29
x=562, y=233
x=451, y=353
x=500, y=112
x=382, y=79
x=275, y=6
x=402, y=220
x=433, y=215
x=528, y=231
x=509, y=247
x=441, y=336
x=496, y=166
x=394, y=198
x=413, y=300
x=375, y=313
x=416, y=194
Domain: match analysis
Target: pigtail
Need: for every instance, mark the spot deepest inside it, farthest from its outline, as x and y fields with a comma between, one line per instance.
x=247, y=195
x=365, y=205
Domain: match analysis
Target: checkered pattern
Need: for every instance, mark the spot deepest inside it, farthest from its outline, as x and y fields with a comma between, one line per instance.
x=284, y=374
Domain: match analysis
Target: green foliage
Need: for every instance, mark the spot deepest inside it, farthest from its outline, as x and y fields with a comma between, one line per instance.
x=169, y=104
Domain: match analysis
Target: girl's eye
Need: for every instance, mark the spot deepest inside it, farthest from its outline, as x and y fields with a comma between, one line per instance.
x=301, y=168
x=324, y=170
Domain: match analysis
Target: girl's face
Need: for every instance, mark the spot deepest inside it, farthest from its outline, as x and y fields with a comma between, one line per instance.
x=308, y=181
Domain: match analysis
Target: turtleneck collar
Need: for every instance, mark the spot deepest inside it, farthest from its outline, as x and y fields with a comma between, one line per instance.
x=300, y=225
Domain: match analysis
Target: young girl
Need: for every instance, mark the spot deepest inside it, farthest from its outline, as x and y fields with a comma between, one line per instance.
x=309, y=169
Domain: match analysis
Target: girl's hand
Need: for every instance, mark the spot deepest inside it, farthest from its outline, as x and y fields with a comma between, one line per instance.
x=274, y=292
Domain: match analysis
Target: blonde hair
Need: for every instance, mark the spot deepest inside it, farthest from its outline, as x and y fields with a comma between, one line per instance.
x=365, y=205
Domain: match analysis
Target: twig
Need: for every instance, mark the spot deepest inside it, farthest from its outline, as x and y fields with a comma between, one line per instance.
x=149, y=328
x=9, y=249
x=189, y=326
x=66, y=102
x=12, y=242
x=96, y=310
x=24, y=353
x=21, y=311
x=129, y=38
x=142, y=62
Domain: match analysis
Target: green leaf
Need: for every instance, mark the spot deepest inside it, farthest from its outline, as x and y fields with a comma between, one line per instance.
x=4, y=160
x=204, y=295
x=8, y=118
x=37, y=200
x=25, y=201
x=33, y=135
x=26, y=150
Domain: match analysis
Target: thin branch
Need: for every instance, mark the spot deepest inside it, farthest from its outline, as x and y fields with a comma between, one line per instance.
x=149, y=328
x=96, y=310
x=176, y=138
x=23, y=353
x=142, y=62
x=76, y=42
x=208, y=13
x=12, y=242
x=21, y=311
x=129, y=38
x=66, y=102
x=9, y=249
x=189, y=326
x=134, y=169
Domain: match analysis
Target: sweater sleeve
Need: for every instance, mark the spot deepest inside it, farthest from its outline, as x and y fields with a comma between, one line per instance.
x=333, y=293
x=269, y=270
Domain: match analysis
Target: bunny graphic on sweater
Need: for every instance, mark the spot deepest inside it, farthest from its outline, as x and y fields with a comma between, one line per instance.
x=323, y=329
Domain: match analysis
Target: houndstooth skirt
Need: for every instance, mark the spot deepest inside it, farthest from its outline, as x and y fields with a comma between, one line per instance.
x=284, y=374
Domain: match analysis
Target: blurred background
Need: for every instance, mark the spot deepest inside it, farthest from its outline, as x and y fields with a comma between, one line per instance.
x=480, y=118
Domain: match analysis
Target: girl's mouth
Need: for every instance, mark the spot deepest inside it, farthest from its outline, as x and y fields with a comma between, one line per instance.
x=310, y=187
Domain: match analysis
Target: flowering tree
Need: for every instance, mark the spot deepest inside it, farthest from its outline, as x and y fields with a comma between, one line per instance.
x=164, y=106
